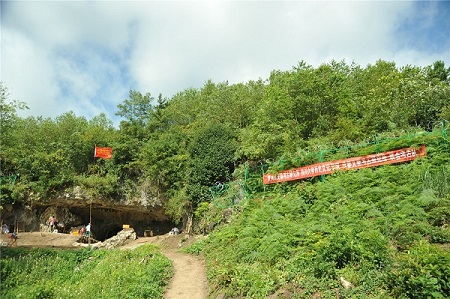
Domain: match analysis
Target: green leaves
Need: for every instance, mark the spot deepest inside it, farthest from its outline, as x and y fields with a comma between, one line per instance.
x=211, y=160
x=159, y=140
x=42, y=273
x=375, y=227
x=137, y=109
x=421, y=272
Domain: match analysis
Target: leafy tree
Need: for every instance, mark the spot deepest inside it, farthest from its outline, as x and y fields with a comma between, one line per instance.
x=8, y=115
x=137, y=109
x=158, y=121
x=164, y=160
x=178, y=147
x=211, y=155
x=438, y=71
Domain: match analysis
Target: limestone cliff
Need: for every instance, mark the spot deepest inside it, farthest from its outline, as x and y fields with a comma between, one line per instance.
x=75, y=207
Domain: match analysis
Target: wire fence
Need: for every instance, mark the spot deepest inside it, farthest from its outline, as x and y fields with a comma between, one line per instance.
x=8, y=179
x=225, y=195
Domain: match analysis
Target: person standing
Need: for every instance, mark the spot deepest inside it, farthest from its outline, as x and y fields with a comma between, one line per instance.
x=51, y=222
x=13, y=238
x=88, y=230
x=82, y=231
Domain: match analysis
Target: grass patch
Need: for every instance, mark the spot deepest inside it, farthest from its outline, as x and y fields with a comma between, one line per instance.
x=49, y=273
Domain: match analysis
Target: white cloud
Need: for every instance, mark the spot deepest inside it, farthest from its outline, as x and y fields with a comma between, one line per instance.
x=86, y=55
x=60, y=57
x=28, y=75
x=248, y=40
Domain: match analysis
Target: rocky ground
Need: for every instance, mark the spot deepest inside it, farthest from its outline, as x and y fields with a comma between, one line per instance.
x=189, y=280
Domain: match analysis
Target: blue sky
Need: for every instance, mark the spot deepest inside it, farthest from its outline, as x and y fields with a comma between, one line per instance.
x=85, y=56
x=427, y=29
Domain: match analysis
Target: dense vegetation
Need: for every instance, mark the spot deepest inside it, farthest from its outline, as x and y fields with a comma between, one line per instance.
x=50, y=273
x=384, y=229
x=177, y=148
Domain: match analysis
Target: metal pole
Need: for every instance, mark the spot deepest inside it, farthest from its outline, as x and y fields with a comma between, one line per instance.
x=90, y=209
x=322, y=177
x=90, y=223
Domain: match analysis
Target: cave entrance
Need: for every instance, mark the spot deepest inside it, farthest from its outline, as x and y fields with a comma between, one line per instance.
x=107, y=222
x=107, y=231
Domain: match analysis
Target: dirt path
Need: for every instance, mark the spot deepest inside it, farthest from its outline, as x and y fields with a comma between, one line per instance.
x=189, y=279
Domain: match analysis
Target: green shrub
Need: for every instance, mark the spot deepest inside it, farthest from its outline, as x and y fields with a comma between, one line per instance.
x=439, y=235
x=440, y=215
x=421, y=272
x=362, y=225
x=196, y=248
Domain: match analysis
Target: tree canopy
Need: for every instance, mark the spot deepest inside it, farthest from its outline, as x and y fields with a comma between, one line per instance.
x=187, y=143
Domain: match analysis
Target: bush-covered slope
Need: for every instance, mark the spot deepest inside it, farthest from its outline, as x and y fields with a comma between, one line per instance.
x=383, y=229
x=176, y=148
x=370, y=226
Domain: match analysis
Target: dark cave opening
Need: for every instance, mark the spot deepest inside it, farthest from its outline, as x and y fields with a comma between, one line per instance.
x=107, y=232
x=107, y=222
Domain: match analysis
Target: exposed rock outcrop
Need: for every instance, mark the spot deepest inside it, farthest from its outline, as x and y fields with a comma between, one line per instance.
x=118, y=240
x=75, y=207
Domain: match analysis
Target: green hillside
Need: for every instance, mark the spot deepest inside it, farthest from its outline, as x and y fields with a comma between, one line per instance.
x=203, y=153
x=383, y=229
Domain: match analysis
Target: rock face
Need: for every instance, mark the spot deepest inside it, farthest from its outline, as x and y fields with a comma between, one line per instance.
x=74, y=208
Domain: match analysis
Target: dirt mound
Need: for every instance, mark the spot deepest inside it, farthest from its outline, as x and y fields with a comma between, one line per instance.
x=164, y=242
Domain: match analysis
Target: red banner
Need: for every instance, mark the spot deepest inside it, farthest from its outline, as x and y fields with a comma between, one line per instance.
x=391, y=157
x=103, y=152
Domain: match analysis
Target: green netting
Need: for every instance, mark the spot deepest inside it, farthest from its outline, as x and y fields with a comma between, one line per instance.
x=8, y=179
x=229, y=194
x=252, y=183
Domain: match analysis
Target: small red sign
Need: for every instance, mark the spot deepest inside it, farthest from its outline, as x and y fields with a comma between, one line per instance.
x=103, y=152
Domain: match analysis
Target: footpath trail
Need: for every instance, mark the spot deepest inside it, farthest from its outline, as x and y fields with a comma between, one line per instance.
x=189, y=279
